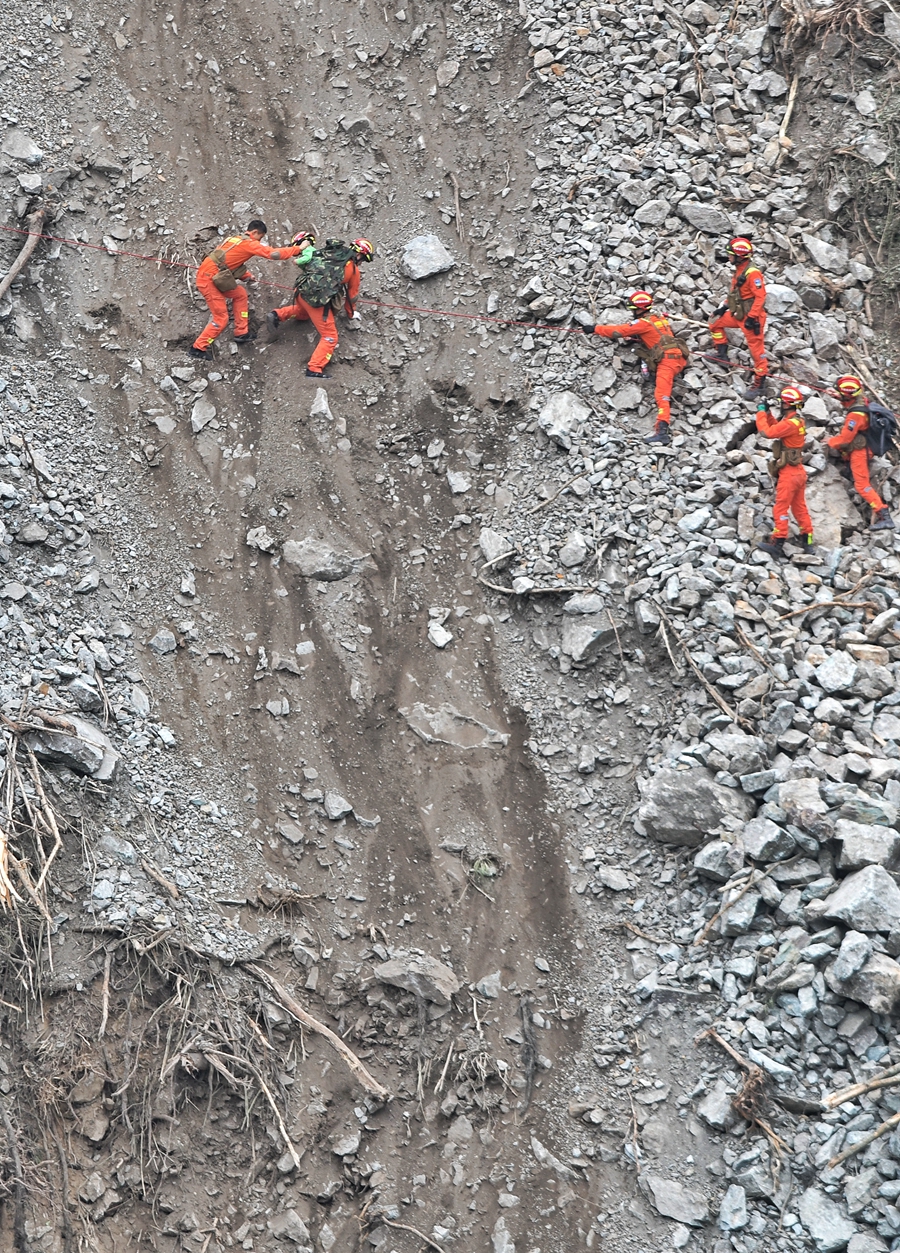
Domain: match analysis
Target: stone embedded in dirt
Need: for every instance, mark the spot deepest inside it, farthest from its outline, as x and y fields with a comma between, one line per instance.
x=320, y=407
x=673, y=1200
x=93, y=1187
x=422, y=975
x=438, y=634
x=347, y=1145
x=336, y=806
x=584, y=637
x=458, y=482
x=584, y=602
x=83, y=747
x=866, y=901
x=863, y=845
x=259, y=538
x=202, y=413
x=89, y=1088
x=562, y=416
x=684, y=806
x=425, y=255
x=163, y=642
x=85, y=695
x=17, y=144
x=493, y=544
x=716, y=1109
x=501, y=1240
x=314, y=559
x=823, y=1219
x=447, y=725
x=32, y=533
x=446, y=72
x=490, y=986
x=545, y=1158
x=290, y=1226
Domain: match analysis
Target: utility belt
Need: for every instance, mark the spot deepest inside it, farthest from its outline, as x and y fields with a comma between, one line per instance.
x=737, y=305
x=667, y=344
x=782, y=457
x=226, y=279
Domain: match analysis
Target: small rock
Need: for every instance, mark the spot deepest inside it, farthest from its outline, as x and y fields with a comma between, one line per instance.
x=863, y=845
x=83, y=748
x=290, y=1226
x=439, y=636
x=716, y=1109
x=574, y=551
x=258, y=537
x=163, y=642
x=458, y=482
x=733, y=1210
x=314, y=559
x=705, y=217
x=562, y=416
x=446, y=72
x=823, y=1219
x=202, y=414
x=490, y=986
x=336, y=806
x=855, y=951
x=674, y=1200
x=493, y=544
x=32, y=533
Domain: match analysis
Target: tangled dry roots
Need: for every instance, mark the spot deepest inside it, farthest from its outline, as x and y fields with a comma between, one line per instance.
x=806, y=23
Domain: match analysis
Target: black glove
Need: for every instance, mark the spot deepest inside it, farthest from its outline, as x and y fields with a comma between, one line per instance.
x=717, y=313
x=617, y=335
x=752, y=324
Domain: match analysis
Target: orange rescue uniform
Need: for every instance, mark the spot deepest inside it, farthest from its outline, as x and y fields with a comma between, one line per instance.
x=653, y=331
x=790, y=491
x=852, y=446
x=748, y=287
x=323, y=318
x=238, y=251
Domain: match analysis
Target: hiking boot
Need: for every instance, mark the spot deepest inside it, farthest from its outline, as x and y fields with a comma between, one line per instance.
x=273, y=321
x=198, y=352
x=773, y=546
x=317, y=374
x=721, y=353
x=660, y=435
x=845, y=472
x=882, y=521
x=806, y=541
x=242, y=340
x=757, y=388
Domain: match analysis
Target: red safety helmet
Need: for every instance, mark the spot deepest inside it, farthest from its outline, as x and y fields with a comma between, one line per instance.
x=302, y=238
x=792, y=396
x=739, y=247
x=848, y=386
x=640, y=301
x=363, y=249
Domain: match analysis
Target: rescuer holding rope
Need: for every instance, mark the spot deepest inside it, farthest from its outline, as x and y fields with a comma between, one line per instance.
x=786, y=467
x=745, y=308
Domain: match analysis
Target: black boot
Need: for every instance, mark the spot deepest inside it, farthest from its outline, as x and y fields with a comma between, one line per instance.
x=660, y=435
x=317, y=374
x=721, y=352
x=806, y=541
x=198, y=352
x=774, y=546
x=243, y=340
x=882, y=521
x=757, y=388
x=273, y=321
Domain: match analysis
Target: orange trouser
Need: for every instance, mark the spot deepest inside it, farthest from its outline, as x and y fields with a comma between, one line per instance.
x=218, y=307
x=859, y=466
x=790, y=497
x=671, y=365
x=756, y=340
x=325, y=323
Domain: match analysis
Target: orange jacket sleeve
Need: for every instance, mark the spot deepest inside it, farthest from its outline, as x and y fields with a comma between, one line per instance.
x=854, y=424
x=627, y=329
x=250, y=248
x=766, y=425
x=352, y=280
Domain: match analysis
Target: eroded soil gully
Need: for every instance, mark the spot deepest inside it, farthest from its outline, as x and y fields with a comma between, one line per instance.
x=224, y=135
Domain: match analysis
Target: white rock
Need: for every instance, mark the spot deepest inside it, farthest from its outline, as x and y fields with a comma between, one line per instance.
x=320, y=407
x=439, y=636
x=314, y=559
x=336, y=806
x=202, y=414
x=837, y=673
x=258, y=537
x=458, y=482
x=446, y=72
x=425, y=255
x=21, y=146
x=561, y=417
x=866, y=104
x=493, y=544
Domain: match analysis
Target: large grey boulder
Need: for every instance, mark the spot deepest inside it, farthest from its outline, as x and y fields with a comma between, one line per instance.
x=876, y=985
x=423, y=975
x=425, y=255
x=585, y=636
x=863, y=845
x=674, y=1200
x=562, y=416
x=866, y=901
x=828, y=1227
x=705, y=217
x=314, y=559
x=16, y=143
x=684, y=806
x=75, y=743
x=826, y=256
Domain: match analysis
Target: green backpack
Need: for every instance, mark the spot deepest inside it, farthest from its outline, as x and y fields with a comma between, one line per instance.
x=321, y=279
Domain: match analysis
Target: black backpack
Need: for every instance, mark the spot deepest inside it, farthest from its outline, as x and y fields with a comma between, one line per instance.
x=883, y=429
x=321, y=280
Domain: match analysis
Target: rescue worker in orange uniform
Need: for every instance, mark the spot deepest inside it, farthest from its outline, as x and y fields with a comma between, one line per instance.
x=789, y=436
x=322, y=316
x=744, y=308
x=659, y=348
x=217, y=283
x=852, y=447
